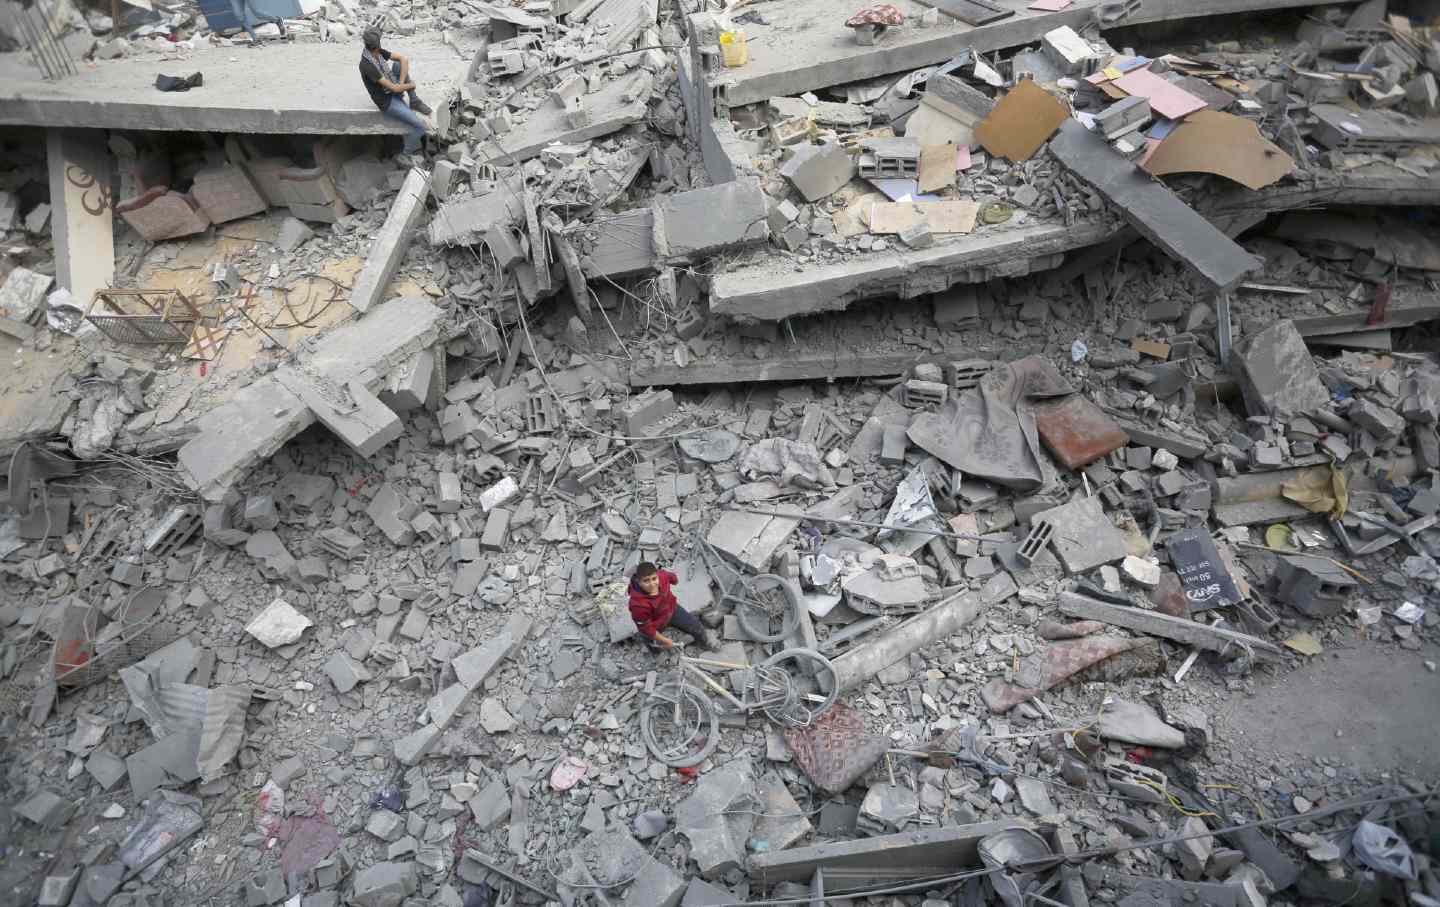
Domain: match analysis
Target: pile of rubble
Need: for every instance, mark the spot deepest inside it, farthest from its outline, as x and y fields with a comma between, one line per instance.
x=342, y=618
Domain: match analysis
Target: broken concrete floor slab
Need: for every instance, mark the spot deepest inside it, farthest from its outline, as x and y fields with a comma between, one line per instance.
x=262, y=416
x=1154, y=210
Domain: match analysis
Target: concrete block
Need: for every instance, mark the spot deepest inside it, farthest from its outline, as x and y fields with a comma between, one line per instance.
x=491, y=805
x=615, y=851
x=1084, y=538
x=704, y=221
x=474, y=666
x=449, y=495
x=265, y=888
x=1280, y=377
x=497, y=530
x=345, y=672
x=391, y=243
x=293, y=235
x=1384, y=423
x=361, y=179
x=361, y=421
x=385, y=884
x=392, y=512
x=9, y=211
x=46, y=809
x=37, y=222
x=917, y=236
x=159, y=215
x=324, y=214
x=816, y=171
x=443, y=179
x=225, y=193
x=22, y=296
x=639, y=413
x=260, y=512
x=56, y=891
x=308, y=186
x=718, y=838
x=413, y=747
x=502, y=492
x=408, y=386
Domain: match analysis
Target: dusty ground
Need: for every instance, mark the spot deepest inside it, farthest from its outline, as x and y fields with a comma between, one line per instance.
x=1372, y=706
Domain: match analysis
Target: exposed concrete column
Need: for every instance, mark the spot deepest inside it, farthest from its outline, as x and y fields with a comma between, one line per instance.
x=82, y=220
x=860, y=664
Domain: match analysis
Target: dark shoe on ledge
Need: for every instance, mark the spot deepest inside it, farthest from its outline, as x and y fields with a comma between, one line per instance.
x=421, y=107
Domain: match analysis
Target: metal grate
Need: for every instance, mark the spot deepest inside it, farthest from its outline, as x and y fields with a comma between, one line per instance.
x=143, y=316
x=81, y=662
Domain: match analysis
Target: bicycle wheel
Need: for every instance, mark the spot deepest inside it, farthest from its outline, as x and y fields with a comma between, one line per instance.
x=679, y=725
x=804, y=706
x=767, y=608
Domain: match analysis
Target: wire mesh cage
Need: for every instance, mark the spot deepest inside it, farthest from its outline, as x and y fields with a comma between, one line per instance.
x=80, y=661
x=143, y=316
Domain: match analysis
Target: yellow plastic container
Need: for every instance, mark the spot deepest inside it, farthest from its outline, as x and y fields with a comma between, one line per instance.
x=733, y=49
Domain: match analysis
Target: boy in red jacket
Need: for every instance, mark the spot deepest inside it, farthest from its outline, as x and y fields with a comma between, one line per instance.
x=654, y=607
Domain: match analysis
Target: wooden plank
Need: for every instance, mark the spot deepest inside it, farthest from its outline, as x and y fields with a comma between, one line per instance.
x=1153, y=623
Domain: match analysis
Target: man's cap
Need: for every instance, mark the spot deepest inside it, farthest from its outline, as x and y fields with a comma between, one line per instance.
x=371, y=37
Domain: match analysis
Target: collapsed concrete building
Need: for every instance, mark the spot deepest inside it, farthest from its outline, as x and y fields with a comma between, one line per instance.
x=1038, y=403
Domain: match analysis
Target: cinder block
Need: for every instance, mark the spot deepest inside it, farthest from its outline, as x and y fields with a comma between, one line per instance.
x=449, y=494
x=818, y=170
x=645, y=410
x=497, y=530
x=408, y=387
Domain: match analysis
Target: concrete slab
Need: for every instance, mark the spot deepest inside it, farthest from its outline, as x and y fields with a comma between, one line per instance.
x=609, y=111
x=262, y=416
x=1152, y=209
x=804, y=45
x=120, y=94
x=1280, y=376
x=767, y=287
x=392, y=242
x=709, y=220
x=1084, y=536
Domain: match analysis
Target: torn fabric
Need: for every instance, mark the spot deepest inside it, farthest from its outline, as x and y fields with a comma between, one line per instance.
x=1050, y=666
x=1322, y=489
x=989, y=432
